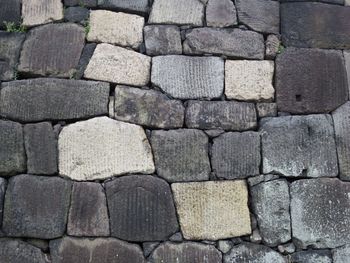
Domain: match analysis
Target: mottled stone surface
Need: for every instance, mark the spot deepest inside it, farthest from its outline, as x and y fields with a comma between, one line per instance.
x=36, y=206
x=10, y=12
x=272, y=46
x=341, y=254
x=221, y=13
x=222, y=202
x=101, y=147
x=299, y=146
x=141, y=208
x=312, y=256
x=186, y=77
x=181, y=155
x=138, y=6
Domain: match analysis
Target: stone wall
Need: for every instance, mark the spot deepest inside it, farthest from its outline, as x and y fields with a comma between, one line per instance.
x=174, y=131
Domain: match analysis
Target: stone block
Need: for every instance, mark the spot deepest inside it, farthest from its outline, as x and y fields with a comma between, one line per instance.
x=10, y=12
x=221, y=13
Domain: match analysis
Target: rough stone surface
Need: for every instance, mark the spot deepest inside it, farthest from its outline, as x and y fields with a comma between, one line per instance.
x=347, y=64
x=272, y=44
x=221, y=13
x=3, y=184
x=88, y=215
x=101, y=147
x=10, y=12
x=341, y=254
x=299, y=146
x=320, y=212
x=147, y=107
x=266, y=109
x=133, y=68
x=236, y=43
x=181, y=155
x=36, y=206
x=224, y=204
x=252, y=181
x=312, y=256
x=310, y=80
x=226, y=115
x=53, y=99
x=141, y=208
x=249, y=80
x=186, y=77
x=42, y=50
x=76, y=14
x=138, y=6
x=85, y=57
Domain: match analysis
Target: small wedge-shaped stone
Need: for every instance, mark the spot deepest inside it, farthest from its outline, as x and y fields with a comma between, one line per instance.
x=221, y=13
x=186, y=77
x=299, y=146
x=212, y=210
x=116, y=28
x=98, y=250
x=10, y=12
x=141, y=208
x=138, y=6
x=101, y=147
x=53, y=99
x=320, y=212
x=118, y=65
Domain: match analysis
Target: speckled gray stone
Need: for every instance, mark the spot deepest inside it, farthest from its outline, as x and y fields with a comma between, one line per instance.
x=221, y=13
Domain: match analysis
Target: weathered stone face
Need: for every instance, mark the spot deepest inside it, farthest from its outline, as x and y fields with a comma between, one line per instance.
x=10, y=12
x=341, y=255
x=221, y=13
x=312, y=256
x=139, y=6
x=141, y=208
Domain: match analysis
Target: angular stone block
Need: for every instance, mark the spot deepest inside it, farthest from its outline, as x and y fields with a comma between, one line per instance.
x=141, y=208
x=138, y=6
x=212, y=210
x=53, y=99
x=310, y=81
x=186, y=77
x=221, y=13
x=36, y=206
x=133, y=68
x=10, y=12
x=52, y=50
x=299, y=146
x=181, y=155
x=341, y=254
x=312, y=256
x=100, y=148
x=147, y=107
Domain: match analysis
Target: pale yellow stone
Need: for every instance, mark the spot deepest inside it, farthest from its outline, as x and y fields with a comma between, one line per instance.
x=212, y=210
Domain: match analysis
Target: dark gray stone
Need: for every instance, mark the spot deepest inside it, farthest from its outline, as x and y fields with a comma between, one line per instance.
x=138, y=6
x=3, y=184
x=301, y=26
x=254, y=180
x=266, y=109
x=43, y=244
x=341, y=254
x=53, y=99
x=221, y=13
x=235, y=43
x=236, y=155
x=88, y=215
x=310, y=81
x=36, y=206
x=76, y=14
x=85, y=57
x=10, y=11
x=181, y=155
x=148, y=247
x=12, y=153
x=273, y=45
x=299, y=146
x=52, y=50
x=312, y=256
x=83, y=3
x=320, y=212
x=347, y=63
x=338, y=2
x=148, y=108
x=41, y=148
x=226, y=115
x=141, y=208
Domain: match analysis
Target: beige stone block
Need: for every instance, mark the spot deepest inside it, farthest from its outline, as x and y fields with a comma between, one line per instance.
x=37, y=12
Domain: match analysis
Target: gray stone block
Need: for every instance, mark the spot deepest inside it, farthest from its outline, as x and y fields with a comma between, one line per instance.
x=221, y=13
x=3, y=184
x=10, y=12
x=266, y=109
x=85, y=3
x=272, y=46
x=76, y=14
x=138, y=6
x=312, y=256
x=341, y=254
x=85, y=57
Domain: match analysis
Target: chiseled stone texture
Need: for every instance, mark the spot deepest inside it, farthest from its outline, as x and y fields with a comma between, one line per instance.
x=179, y=12
x=36, y=206
x=320, y=212
x=52, y=50
x=10, y=11
x=221, y=13
x=249, y=80
x=101, y=250
x=235, y=43
x=133, y=68
x=3, y=184
x=212, y=210
x=116, y=28
x=99, y=148
x=88, y=215
x=41, y=99
x=310, y=80
x=186, y=252
x=141, y=208
x=138, y=6
x=312, y=256
x=299, y=146
x=181, y=155
x=341, y=254
x=186, y=77
x=147, y=107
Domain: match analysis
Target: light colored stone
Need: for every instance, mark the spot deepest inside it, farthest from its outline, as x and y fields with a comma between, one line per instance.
x=212, y=210
x=249, y=80
x=347, y=2
x=119, y=65
x=101, y=147
x=116, y=28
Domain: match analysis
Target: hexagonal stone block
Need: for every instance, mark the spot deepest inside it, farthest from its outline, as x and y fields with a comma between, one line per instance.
x=299, y=146
x=141, y=208
x=310, y=80
x=320, y=212
x=52, y=50
x=221, y=13
x=53, y=99
x=101, y=147
x=341, y=254
x=312, y=256
x=138, y=6
x=186, y=77
x=212, y=210
x=10, y=12
x=36, y=206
